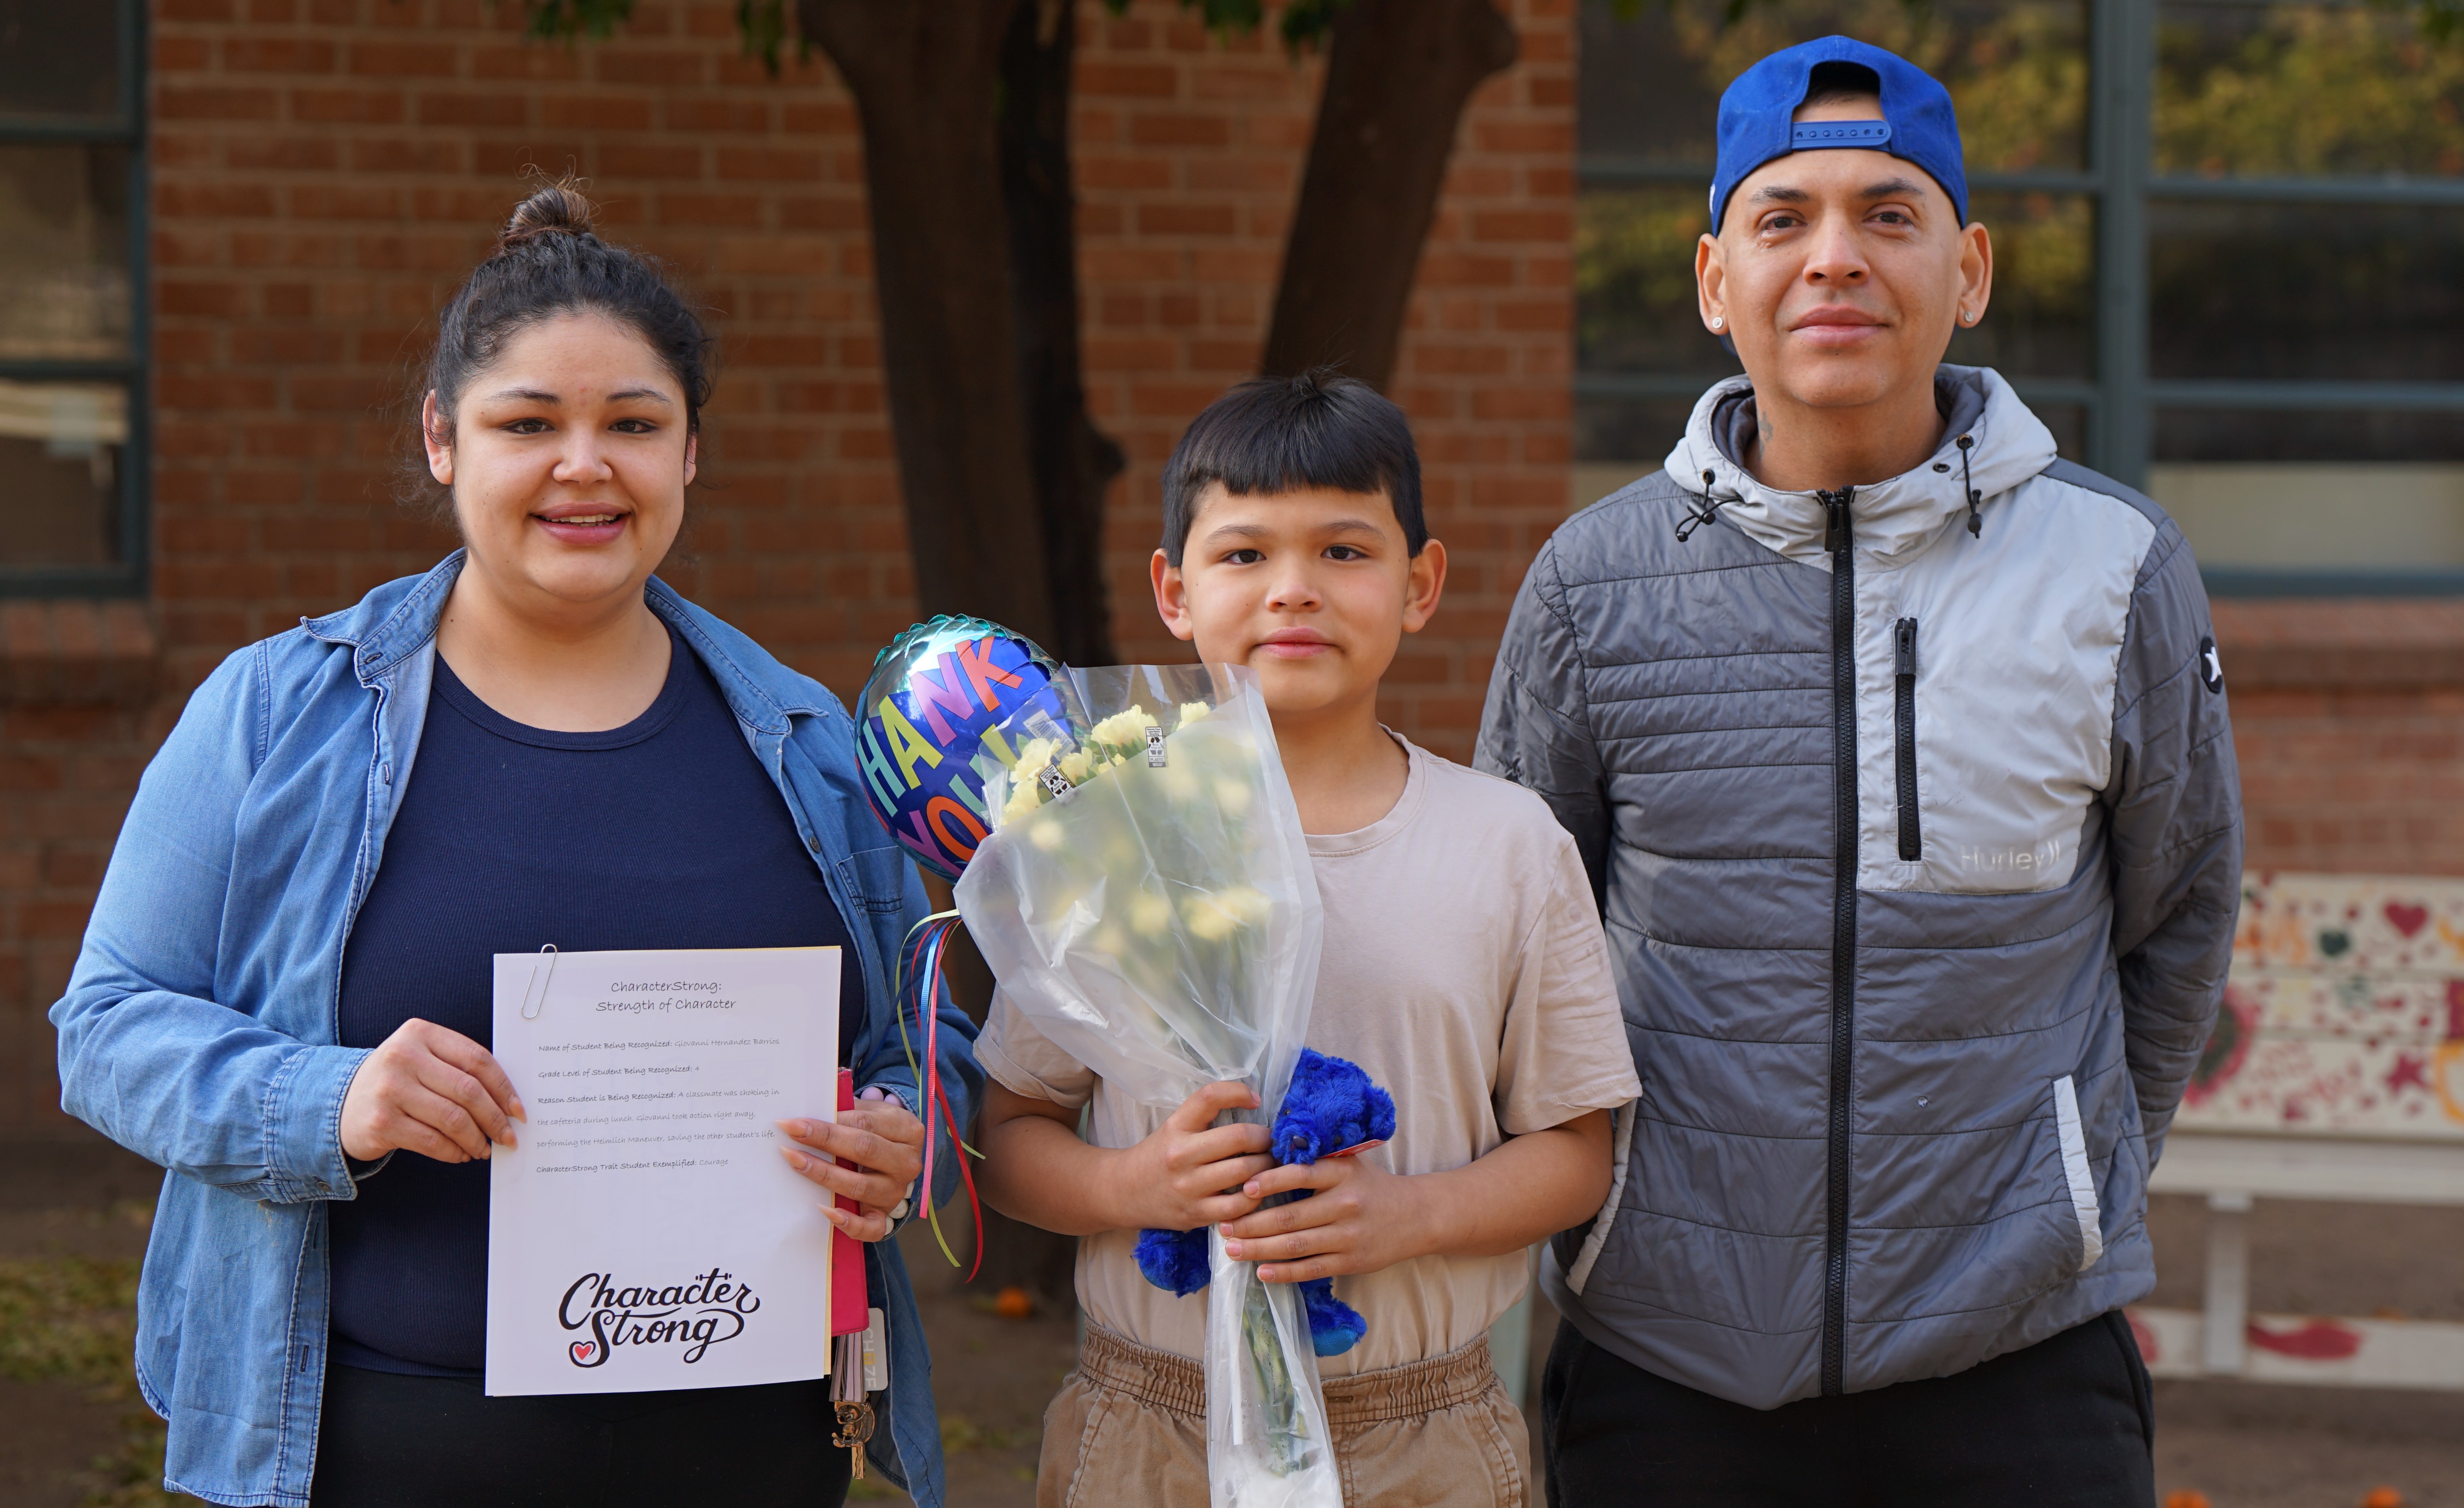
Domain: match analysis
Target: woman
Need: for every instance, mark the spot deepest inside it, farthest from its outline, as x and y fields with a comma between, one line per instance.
x=284, y=996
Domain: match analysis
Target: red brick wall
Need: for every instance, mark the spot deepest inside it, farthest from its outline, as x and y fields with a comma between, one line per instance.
x=77, y=719
x=1189, y=160
x=325, y=171
x=2349, y=717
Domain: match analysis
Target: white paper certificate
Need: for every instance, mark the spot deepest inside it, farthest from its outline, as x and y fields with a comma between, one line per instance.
x=645, y=1234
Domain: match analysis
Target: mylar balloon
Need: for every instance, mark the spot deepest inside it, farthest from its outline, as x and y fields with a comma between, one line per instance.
x=934, y=694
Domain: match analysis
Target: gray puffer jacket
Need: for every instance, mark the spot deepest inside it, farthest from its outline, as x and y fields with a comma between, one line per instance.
x=1918, y=836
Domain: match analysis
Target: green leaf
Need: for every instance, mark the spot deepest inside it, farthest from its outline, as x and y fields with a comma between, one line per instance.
x=2440, y=19
x=1308, y=23
x=764, y=27
x=570, y=20
x=1303, y=28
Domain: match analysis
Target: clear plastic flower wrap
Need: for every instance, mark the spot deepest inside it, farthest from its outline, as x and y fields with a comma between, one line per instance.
x=1146, y=899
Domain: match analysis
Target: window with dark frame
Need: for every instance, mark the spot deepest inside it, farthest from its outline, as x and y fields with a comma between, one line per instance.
x=73, y=300
x=2230, y=249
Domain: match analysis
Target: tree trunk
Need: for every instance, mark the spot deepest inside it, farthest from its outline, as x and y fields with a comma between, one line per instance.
x=926, y=77
x=1075, y=462
x=1398, y=73
x=1074, y=466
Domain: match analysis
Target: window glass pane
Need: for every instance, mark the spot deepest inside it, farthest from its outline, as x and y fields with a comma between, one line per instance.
x=1650, y=87
x=2042, y=319
x=1634, y=283
x=1618, y=439
x=60, y=58
x=62, y=448
x=2360, y=435
x=2285, y=90
x=63, y=251
x=2310, y=516
x=2316, y=291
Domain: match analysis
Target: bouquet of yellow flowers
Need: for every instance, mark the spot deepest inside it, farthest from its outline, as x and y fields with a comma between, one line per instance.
x=1146, y=899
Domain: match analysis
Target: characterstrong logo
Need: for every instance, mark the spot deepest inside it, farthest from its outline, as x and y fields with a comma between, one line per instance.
x=697, y=1314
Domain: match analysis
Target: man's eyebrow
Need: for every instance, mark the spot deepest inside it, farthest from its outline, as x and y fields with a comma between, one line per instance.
x=1780, y=194
x=1894, y=188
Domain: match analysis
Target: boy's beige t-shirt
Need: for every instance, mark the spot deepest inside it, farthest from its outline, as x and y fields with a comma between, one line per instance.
x=1464, y=969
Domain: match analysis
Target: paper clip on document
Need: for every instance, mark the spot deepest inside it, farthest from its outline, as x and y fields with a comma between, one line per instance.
x=535, y=994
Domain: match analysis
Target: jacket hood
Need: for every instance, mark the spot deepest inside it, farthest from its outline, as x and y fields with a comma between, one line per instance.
x=1894, y=520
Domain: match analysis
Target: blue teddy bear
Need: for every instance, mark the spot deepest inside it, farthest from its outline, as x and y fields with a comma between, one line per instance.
x=1333, y=1105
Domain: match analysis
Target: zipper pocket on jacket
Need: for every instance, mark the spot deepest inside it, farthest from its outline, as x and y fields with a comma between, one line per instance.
x=1903, y=675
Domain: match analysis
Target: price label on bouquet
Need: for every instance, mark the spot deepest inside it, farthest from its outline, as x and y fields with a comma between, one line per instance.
x=645, y=1234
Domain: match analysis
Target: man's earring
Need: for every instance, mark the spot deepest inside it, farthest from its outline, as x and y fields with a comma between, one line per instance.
x=1717, y=320
x=1968, y=317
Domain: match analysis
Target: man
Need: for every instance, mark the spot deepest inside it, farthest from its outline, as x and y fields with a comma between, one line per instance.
x=1897, y=748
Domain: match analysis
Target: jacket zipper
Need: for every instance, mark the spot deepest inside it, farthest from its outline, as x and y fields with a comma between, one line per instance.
x=1903, y=676
x=1835, y=538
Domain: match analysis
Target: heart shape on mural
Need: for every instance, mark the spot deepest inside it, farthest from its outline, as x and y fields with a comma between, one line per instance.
x=2407, y=919
x=583, y=1351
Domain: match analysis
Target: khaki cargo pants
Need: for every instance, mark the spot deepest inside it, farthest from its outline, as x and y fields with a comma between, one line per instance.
x=1129, y=1429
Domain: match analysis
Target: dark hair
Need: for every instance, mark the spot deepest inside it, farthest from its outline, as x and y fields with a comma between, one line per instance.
x=549, y=262
x=1279, y=434
x=1828, y=83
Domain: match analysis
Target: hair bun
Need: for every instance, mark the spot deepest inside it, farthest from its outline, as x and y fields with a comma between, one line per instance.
x=557, y=208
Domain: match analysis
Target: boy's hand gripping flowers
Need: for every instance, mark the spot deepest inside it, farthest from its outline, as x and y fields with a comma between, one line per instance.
x=1332, y=1111
x=1188, y=1175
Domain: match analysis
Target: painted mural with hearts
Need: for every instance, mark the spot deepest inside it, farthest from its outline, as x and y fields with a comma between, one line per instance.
x=2345, y=1012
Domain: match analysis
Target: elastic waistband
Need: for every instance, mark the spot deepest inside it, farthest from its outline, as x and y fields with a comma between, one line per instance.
x=1178, y=1385
x=1157, y=1379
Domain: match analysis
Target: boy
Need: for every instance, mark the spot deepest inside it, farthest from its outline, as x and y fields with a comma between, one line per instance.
x=1464, y=968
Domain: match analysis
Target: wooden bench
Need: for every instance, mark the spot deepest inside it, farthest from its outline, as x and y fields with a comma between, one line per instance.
x=2335, y=1073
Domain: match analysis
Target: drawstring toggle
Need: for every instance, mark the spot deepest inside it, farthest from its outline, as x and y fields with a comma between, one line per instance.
x=1968, y=485
x=1709, y=510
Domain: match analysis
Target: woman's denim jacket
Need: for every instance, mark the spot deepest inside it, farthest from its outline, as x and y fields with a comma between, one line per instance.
x=199, y=1027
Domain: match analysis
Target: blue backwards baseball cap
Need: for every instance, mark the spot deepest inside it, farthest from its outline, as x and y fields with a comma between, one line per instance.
x=1917, y=121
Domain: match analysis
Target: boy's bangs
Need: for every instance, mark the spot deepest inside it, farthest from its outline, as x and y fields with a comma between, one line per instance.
x=1277, y=435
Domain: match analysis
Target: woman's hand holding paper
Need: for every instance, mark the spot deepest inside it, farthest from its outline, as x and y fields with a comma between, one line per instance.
x=879, y=1148
x=431, y=1090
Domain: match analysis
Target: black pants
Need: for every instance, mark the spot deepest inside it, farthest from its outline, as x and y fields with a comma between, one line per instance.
x=389, y=1441
x=2066, y=1423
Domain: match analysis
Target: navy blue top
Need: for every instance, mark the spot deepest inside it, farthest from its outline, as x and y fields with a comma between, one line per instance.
x=664, y=833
